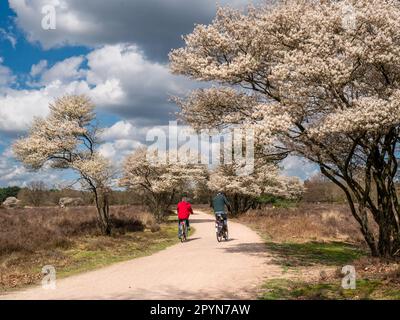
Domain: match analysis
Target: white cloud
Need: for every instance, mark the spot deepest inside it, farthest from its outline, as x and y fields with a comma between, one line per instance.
x=155, y=26
x=65, y=71
x=120, y=140
x=7, y=35
x=120, y=130
x=118, y=150
x=118, y=79
x=299, y=167
x=37, y=69
x=6, y=75
x=19, y=107
x=13, y=173
x=122, y=71
x=109, y=93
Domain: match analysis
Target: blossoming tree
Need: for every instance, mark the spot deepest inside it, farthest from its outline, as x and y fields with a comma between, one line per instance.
x=159, y=179
x=67, y=139
x=242, y=191
x=320, y=80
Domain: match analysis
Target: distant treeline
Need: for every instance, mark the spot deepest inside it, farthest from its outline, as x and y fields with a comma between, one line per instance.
x=320, y=189
x=36, y=194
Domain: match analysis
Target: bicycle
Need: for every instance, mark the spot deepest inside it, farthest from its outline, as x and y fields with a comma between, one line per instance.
x=182, y=225
x=221, y=229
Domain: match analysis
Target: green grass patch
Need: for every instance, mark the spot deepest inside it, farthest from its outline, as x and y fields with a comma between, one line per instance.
x=284, y=289
x=313, y=253
x=278, y=202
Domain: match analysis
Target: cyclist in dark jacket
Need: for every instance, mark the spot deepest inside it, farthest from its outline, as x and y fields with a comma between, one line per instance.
x=218, y=203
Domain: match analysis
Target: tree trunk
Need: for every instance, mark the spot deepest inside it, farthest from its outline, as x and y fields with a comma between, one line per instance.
x=240, y=203
x=159, y=204
x=389, y=236
x=385, y=211
x=103, y=210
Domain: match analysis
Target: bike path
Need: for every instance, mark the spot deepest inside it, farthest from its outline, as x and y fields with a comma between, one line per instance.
x=200, y=268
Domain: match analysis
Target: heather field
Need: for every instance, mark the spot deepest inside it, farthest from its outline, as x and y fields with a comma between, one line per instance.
x=71, y=241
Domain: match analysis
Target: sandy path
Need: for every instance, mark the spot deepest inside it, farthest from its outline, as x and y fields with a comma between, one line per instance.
x=201, y=268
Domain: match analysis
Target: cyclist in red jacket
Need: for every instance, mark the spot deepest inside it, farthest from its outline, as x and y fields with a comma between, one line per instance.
x=184, y=210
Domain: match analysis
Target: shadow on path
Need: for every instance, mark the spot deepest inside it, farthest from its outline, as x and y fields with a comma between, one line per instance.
x=229, y=240
x=248, y=248
x=192, y=239
x=200, y=220
x=313, y=253
x=173, y=292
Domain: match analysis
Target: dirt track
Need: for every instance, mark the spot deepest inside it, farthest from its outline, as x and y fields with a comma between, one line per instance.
x=198, y=269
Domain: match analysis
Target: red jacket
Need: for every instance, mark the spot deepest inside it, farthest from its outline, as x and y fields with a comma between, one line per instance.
x=184, y=210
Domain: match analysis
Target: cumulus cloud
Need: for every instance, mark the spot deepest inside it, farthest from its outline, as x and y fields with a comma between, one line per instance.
x=118, y=78
x=120, y=139
x=65, y=71
x=37, y=69
x=154, y=25
x=120, y=130
x=13, y=173
x=138, y=87
x=125, y=73
x=19, y=107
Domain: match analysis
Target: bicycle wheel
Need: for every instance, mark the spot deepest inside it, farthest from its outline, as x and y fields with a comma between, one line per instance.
x=226, y=234
x=183, y=237
x=218, y=232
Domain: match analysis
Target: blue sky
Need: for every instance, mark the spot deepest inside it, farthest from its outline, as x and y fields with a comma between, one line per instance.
x=116, y=52
x=19, y=58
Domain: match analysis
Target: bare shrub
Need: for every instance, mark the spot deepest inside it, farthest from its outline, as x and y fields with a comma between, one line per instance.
x=155, y=227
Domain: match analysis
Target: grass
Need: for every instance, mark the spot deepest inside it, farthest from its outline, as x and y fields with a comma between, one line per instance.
x=76, y=245
x=312, y=243
x=284, y=289
x=305, y=254
x=87, y=253
x=299, y=256
x=94, y=253
x=277, y=202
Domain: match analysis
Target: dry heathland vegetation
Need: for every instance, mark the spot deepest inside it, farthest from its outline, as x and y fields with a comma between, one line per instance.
x=313, y=242
x=70, y=240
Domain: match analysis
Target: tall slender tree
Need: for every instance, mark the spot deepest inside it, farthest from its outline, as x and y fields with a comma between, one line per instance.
x=67, y=139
